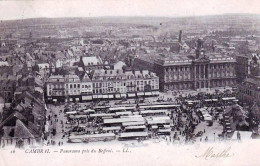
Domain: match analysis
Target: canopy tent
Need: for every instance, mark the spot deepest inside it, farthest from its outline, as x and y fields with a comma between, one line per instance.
x=133, y=123
x=91, y=136
x=135, y=127
x=124, y=113
x=71, y=112
x=120, y=108
x=112, y=128
x=102, y=115
x=133, y=134
x=164, y=130
x=88, y=111
x=228, y=98
x=121, y=120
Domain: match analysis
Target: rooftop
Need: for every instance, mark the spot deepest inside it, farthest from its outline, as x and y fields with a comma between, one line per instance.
x=92, y=60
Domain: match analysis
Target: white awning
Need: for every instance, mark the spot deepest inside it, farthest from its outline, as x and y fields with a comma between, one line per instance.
x=105, y=97
x=54, y=100
x=86, y=97
x=118, y=96
x=131, y=94
x=148, y=93
x=71, y=99
x=123, y=95
x=155, y=93
x=111, y=96
x=77, y=99
x=95, y=96
x=140, y=93
x=100, y=96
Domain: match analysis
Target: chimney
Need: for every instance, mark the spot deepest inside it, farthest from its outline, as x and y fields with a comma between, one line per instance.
x=213, y=46
x=180, y=36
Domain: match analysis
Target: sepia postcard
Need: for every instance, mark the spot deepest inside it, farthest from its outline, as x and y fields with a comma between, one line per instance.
x=129, y=82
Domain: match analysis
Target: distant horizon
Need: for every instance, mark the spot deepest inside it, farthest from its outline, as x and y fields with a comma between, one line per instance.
x=27, y=9
x=137, y=16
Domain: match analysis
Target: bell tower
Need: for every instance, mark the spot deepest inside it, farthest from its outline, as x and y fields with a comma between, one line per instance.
x=200, y=50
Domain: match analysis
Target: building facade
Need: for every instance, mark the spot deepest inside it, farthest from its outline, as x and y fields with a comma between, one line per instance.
x=55, y=88
x=182, y=72
x=7, y=89
x=128, y=83
x=102, y=84
x=249, y=90
x=242, y=67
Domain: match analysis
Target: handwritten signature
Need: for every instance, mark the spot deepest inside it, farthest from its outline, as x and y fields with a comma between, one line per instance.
x=211, y=153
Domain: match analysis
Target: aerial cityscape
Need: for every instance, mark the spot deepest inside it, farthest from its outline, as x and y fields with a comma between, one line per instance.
x=129, y=80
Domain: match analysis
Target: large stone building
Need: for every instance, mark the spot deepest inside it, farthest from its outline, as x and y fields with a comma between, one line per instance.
x=182, y=71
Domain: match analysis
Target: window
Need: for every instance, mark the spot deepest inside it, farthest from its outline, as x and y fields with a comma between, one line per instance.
x=70, y=85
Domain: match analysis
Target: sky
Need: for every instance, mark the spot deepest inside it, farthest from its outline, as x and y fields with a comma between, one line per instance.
x=21, y=9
